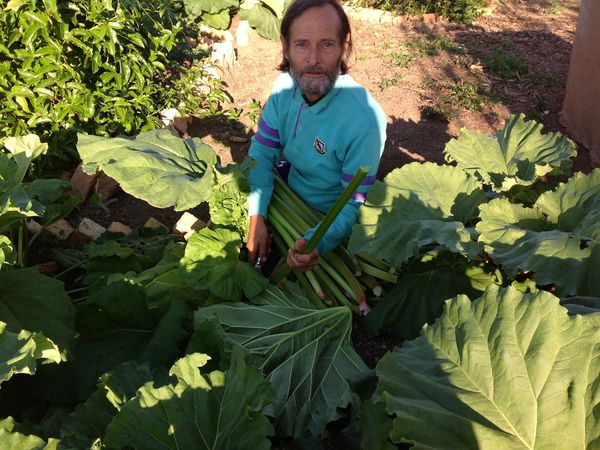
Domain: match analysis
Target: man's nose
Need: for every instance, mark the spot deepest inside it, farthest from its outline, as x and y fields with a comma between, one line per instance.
x=314, y=56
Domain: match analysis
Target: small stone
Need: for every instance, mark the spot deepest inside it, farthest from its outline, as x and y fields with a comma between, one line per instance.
x=187, y=223
x=105, y=187
x=118, y=227
x=60, y=229
x=32, y=226
x=429, y=18
x=153, y=223
x=88, y=231
x=82, y=183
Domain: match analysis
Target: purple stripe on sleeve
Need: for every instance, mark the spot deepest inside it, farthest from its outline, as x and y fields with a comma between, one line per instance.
x=267, y=142
x=359, y=197
x=367, y=180
x=268, y=130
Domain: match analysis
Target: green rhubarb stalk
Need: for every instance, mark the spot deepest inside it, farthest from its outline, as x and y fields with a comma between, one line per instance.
x=377, y=273
x=332, y=289
x=371, y=283
x=375, y=262
x=326, y=222
x=287, y=193
x=315, y=299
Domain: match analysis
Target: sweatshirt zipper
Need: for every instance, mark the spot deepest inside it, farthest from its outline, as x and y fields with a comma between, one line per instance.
x=298, y=119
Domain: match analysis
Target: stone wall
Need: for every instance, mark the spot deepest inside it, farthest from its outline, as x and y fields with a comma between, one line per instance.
x=581, y=108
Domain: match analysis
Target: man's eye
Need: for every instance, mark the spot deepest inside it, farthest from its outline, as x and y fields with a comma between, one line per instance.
x=328, y=44
x=300, y=44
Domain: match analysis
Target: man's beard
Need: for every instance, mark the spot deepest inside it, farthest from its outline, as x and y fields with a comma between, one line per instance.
x=316, y=87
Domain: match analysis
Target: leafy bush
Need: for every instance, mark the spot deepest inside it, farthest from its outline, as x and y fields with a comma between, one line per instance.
x=460, y=11
x=83, y=66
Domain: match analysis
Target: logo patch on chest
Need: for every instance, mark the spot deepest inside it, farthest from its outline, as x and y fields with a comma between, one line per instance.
x=319, y=146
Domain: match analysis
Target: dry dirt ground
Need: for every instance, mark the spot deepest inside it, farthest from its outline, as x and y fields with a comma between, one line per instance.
x=433, y=77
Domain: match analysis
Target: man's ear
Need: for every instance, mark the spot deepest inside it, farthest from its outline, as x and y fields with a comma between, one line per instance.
x=346, y=44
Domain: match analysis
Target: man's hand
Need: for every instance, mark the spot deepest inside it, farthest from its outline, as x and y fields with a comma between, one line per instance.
x=301, y=262
x=259, y=240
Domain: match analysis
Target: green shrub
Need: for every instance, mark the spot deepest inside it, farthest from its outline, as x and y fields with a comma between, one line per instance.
x=460, y=11
x=68, y=66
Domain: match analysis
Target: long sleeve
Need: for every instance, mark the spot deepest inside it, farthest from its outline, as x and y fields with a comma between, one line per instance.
x=364, y=152
x=265, y=150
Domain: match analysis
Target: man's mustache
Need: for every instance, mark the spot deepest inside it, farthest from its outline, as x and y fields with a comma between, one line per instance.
x=314, y=69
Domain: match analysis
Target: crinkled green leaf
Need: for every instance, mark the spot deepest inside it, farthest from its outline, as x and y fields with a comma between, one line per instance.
x=261, y=19
x=8, y=255
x=374, y=426
x=214, y=411
x=195, y=8
x=229, y=204
x=416, y=205
x=17, y=204
x=419, y=295
x=117, y=324
x=36, y=303
x=211, y=262
x=18, y=441
x=19, y=352
x=24, y=149
x=220, y=20
x=87, y=423
x=305, y=353
x=154, y=166
x=517, y=155
x=509, y=370
x=558, y=238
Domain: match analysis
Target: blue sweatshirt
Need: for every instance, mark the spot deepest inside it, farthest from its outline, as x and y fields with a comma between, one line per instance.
x=325, y=143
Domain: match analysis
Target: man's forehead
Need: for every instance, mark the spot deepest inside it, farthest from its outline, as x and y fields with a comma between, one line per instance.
x=323, y=20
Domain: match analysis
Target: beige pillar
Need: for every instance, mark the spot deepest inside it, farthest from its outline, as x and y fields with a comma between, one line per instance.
x=581, y=108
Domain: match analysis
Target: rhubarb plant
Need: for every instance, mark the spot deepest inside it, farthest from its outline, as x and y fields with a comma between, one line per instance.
x=508, y=370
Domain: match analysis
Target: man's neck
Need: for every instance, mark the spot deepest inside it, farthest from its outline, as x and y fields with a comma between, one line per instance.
x=312, y=102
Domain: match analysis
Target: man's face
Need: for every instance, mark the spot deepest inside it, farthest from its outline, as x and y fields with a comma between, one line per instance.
x=314, y=51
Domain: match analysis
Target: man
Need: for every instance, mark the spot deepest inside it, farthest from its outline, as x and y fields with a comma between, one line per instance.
x=321, y=121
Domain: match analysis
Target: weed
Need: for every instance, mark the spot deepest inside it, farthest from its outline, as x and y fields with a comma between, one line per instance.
x=402, y=59
x=554, y=7
x=506, y=65
x=451, y=97
x=387, y=83
x=255, y=108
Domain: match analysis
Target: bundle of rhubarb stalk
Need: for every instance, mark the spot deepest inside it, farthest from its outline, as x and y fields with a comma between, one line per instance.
x=340, y=278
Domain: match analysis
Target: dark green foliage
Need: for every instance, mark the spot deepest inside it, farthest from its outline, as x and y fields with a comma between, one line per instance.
x=506, y=65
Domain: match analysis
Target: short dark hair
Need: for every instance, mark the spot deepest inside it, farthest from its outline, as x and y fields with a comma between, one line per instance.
x=296, y=9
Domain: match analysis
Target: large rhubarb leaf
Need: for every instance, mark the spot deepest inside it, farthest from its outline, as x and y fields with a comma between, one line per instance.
x=558, y=238
x=117, y=324
x=19, y=353
x=509, y=370
x=36, y=303
x=305, y=353
x=419, y=295
x=87, y=424
x=212, y=262
x=517, y=155
x=416, y=205
x=154, y=166
x=214, y=411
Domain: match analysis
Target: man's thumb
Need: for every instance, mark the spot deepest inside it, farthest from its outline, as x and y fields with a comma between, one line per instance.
x=300, y=244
